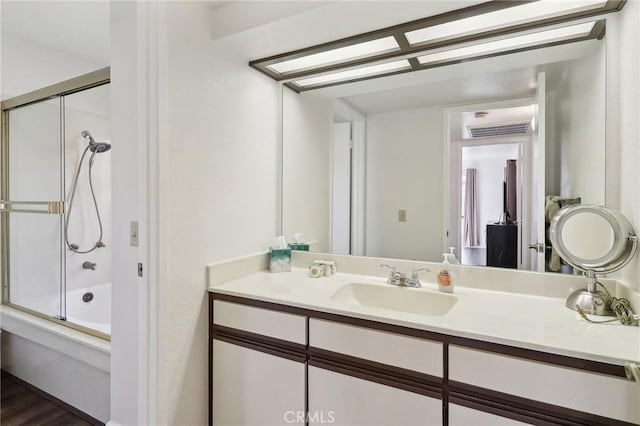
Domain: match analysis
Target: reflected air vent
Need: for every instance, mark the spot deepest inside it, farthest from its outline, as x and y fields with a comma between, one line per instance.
x=499, y=130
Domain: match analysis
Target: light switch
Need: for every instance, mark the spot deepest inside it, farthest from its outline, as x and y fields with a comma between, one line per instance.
x=402, y=215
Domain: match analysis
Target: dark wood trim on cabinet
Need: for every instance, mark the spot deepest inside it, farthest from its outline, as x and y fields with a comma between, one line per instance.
x=445, y=383
x=544, y=357
x=347, y=361
x=465, y=394
x=267, y=340
x=530, y=354
x=376, y=377
x=261, y=346
x=502, y=411
x=210, y=367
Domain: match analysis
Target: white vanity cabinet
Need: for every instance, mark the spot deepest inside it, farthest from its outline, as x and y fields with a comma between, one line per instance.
x=274, y=364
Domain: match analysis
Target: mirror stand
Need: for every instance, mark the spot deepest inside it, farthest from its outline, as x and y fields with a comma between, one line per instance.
x=591, y=300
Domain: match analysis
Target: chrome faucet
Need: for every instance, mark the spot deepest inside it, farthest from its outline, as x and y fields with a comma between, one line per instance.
x=401, y=279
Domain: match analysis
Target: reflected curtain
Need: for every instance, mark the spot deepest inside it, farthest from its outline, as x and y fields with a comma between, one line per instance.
x=471, y=235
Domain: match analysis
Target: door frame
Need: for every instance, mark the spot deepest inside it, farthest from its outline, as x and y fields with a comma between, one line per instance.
x=450, y=178
x=524, y=161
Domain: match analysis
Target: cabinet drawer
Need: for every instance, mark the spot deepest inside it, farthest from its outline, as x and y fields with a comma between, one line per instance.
x=279, y=325
x=348, y=401
x=580, y=390
x=380, y=346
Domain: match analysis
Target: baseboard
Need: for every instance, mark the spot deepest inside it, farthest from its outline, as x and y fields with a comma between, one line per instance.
x=53, y=399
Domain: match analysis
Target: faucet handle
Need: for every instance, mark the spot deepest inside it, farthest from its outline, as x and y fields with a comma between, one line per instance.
x=415, y=279
x=414, y=273
x=394, y=275
x=392, y=269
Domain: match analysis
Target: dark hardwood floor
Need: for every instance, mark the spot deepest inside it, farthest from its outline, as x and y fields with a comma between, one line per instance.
x=20, y=405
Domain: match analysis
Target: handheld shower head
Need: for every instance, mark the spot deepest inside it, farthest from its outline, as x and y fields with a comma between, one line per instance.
x=87, y=135
x=95, y=146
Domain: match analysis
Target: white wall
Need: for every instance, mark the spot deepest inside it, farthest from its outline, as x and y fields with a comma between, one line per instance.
x=577, y=124
x=27, y=66
x=404, y=171
x=133, y=129
x=622, y=74
x=218, y=190
x=306, y=147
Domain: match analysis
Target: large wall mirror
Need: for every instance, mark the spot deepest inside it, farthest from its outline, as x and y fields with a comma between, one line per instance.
x=477, y=155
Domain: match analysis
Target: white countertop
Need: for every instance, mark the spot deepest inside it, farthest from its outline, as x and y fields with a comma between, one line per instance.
x=526, y=321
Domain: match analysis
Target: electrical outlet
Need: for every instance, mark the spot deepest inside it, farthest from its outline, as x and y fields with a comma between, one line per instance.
x=402, y=215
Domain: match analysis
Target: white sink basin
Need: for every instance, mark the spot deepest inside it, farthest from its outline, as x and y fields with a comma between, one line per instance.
x=400, y=299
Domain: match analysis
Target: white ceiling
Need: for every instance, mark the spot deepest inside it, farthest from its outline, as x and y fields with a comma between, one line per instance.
x=282, y=26
x=516, y=83
x=78, y=28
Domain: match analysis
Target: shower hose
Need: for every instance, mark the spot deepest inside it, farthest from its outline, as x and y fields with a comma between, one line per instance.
x=74, y=247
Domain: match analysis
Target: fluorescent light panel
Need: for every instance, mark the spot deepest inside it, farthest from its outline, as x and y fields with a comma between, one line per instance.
x=541, y=9
x=342, y=54
x=526, y=40
x=354, y=73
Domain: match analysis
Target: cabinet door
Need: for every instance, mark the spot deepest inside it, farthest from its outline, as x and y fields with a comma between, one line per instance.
x=465, y=416
x=255, y=388
x=589, y=392
x=344, y=400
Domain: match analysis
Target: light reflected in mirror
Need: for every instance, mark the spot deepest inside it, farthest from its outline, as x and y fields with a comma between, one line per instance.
x=477, y=156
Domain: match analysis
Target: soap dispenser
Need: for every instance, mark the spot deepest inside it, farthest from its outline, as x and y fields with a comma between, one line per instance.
x=452, y=256
x=444, y=276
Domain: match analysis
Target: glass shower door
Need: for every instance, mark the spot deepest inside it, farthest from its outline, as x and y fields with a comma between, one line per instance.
x=33, y=209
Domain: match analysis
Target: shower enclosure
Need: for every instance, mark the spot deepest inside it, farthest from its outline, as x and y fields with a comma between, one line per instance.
x=56, y=203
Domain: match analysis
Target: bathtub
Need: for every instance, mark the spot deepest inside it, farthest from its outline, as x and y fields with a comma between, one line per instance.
x=66, y=363
x=91, y=307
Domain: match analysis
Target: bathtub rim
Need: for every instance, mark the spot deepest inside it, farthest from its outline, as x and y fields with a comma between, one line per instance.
x=57, y=321
x=89, y=349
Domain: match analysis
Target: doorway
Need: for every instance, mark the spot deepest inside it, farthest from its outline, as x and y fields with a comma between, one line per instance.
x=490, y=179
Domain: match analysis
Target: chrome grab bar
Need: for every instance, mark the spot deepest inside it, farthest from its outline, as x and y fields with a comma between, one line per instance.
x=52, y=207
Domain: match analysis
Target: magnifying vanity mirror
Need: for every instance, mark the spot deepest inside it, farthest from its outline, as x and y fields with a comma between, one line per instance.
x=597, y=241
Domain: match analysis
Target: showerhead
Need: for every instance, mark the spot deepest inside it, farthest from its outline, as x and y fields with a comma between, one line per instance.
x=94, y=146
x=99, y=147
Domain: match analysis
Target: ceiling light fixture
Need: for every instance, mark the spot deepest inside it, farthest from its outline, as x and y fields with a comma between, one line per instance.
x=341, y=54
x=487, y=29
x=516, y=15
x=355, y=73
x=509, y=44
